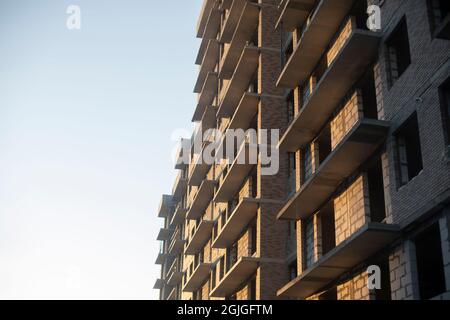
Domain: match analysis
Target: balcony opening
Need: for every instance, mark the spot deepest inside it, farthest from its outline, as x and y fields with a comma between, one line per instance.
x=324, y=143
x=329, y=295
x=213, y=278
x=292, y=225
x=253, y=86
x=253, y=237
x=288, y=49
x=221, y=267
x=290, y=106
x=320, y=70
x=309, y=243
x=252, y=289
x=232, y=204
x=384, y=294
x=292, y=174
x=444, y=92
x=254, y=40
x=191, y=268
x=232, y=256
x=376, y=193
x=306, y=170
x=328, y=228
x=224, y=216
x=293, y=272
x=409, y=152
x=438, y=11
x=253, y=181
x=430, y=264
x=306, y=89
x=215, y=231
x=369, y=96
x=398, y=52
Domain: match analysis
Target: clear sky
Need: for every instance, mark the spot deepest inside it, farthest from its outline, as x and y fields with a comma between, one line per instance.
x=86, y=125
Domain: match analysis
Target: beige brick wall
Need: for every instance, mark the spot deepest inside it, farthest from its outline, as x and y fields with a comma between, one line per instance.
x=352, y=209
x=354, y=289
x=340, y=40
x=243, y=294
x=402, y=265
x=205, y=291
x=347, y=117
x=243, y=245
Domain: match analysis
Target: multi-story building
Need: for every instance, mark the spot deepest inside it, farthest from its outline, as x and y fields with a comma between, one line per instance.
x=364, y=180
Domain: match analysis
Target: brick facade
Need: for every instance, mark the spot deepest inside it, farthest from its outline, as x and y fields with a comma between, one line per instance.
x=410, y=205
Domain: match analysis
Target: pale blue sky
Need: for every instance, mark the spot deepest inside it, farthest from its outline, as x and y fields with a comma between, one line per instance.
x=86, y=119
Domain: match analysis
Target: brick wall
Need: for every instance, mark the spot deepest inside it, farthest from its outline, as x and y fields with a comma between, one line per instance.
x=352, y=209
x=402, y=265
x=354, y=289
x=340, y=40
x=347, y=117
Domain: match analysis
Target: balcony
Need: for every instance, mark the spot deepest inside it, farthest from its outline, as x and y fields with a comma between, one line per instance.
x=198, y=277
x=239, y=83
x=166, y=206
x=159, y=284
x=236, y=223
x=362, y=245
x=294, y=13
x=355, y=55
x=199, y=169
x=236, y=275
x=162, y=256
x=165, y=234
x=201, y=200
x=178, y=215
x=177, y=243
x=366, y=136
x=180, y=186
x=245, y=29
x=208, y=63
x=204, y=15
x=175, y=275
x=207, y=119
x=231, y=21
x=245, y=112
x=209, y=91
x=211, y=30
x=237, y=173
x=320, y=29
x=213, y=24
x=200, y=236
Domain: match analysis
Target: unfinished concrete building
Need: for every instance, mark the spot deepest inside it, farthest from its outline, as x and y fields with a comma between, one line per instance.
x=364, y=175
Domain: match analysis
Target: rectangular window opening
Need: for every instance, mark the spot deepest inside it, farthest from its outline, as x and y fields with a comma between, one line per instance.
x=369, y=96
x=444, y=91
x=306, y=164
x=384, y=294
x=398, y=52
x=430, y=264
x=324, y=142
x=376, y=193
x=409, y=151
x=328, y=228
